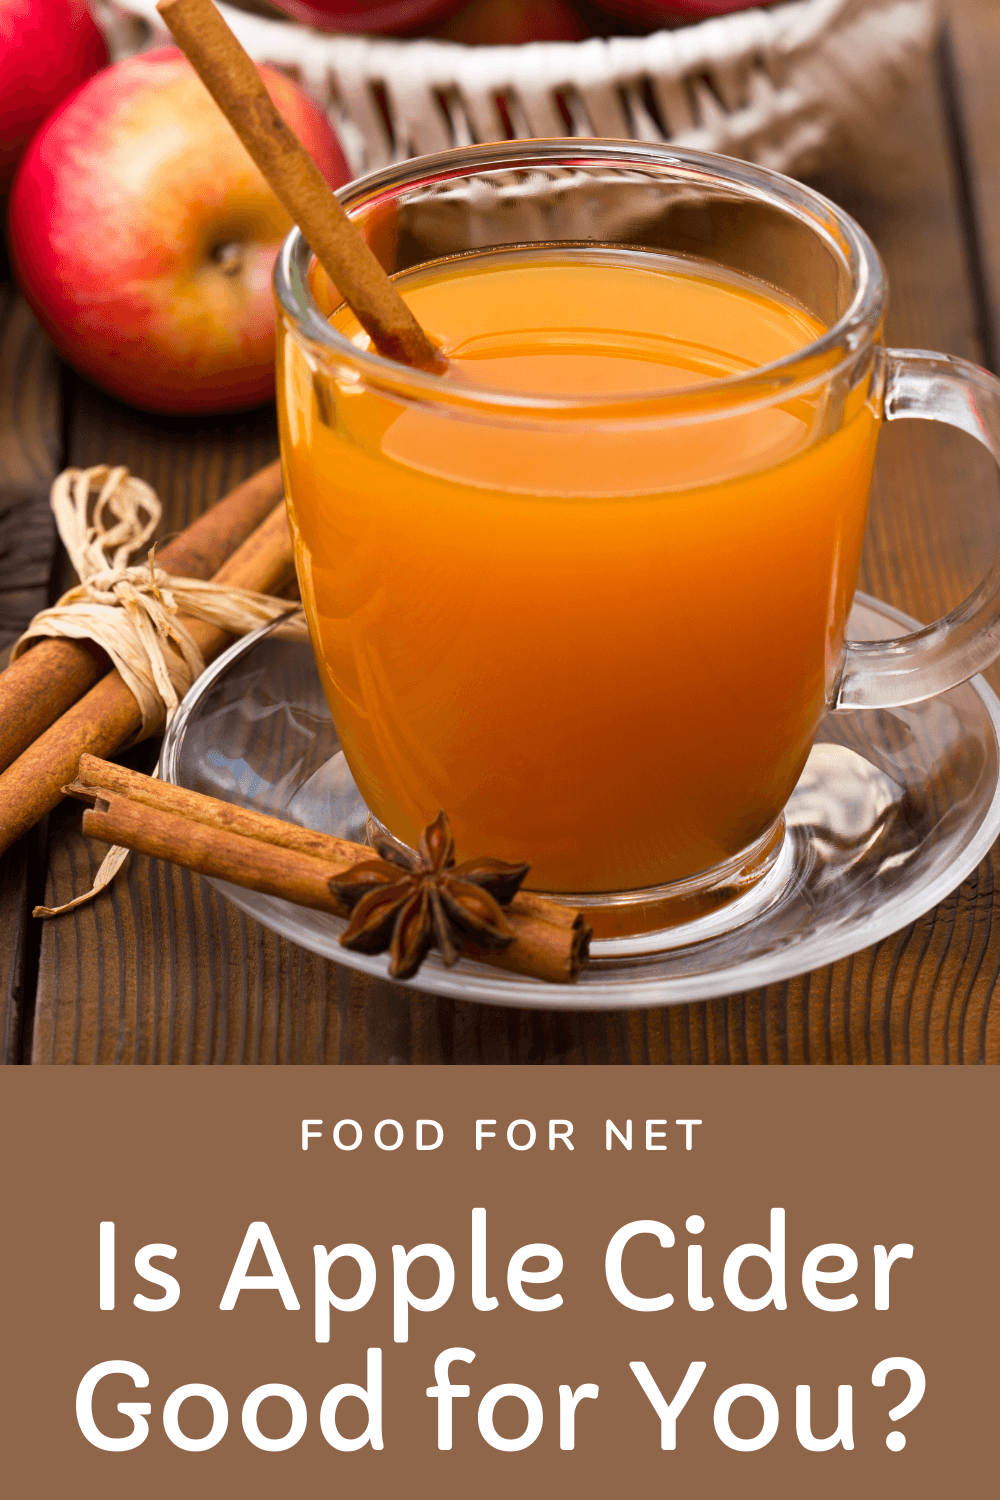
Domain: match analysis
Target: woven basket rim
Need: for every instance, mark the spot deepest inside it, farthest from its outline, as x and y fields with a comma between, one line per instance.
x=781, y=86
x=709, y=28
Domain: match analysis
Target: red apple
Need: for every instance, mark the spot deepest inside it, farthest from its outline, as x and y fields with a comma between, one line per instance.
x=374, y=16
x=144, y=237
x=653, y=13
x=47, y=49
x=508, y=22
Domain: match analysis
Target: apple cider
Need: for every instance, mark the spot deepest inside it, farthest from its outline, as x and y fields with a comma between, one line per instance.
x=599, y=625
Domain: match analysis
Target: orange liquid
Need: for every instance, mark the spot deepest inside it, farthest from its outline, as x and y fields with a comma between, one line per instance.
x=601, y=647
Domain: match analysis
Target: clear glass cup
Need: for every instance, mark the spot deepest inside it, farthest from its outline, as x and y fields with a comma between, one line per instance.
x=602, y=631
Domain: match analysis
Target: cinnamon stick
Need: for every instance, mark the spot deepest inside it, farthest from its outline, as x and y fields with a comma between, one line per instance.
x=94, y=774
x=48, y=678
x=237, y=88
x=107, y=717
x=227, y=816
x=296, y=864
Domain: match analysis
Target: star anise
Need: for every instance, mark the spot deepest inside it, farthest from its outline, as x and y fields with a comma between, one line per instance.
x=409, y=902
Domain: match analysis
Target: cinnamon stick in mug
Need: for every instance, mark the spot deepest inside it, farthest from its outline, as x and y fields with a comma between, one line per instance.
x=234, y=83
x=52, y=675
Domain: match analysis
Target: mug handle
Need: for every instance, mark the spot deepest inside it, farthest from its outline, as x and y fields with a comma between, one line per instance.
x=885, y=674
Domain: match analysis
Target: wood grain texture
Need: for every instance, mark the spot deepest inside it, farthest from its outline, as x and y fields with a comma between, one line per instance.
x=13, y=948
x=160, y=969
x=973, y=58
x=189, y=462
x=29, y=457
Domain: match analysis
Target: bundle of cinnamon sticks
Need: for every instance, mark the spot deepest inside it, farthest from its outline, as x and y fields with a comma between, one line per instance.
x=61, y=700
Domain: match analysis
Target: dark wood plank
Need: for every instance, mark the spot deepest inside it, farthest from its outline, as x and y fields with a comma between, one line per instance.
x=161, y=970
x=972, y=57
x=13, y=949
x=189, y=462
x=29, y=456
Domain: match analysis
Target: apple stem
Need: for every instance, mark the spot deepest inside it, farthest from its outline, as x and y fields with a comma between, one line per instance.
x=235, y=84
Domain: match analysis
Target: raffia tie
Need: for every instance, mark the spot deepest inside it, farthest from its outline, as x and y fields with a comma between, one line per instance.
x=132, y=611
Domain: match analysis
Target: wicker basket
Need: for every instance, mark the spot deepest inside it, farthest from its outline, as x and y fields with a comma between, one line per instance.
x=782, y=87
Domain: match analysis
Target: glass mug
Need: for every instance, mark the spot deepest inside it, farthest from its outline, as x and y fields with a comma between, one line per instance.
x=601, y=629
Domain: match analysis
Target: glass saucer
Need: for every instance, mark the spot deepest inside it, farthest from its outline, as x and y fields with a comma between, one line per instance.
x=893, y=810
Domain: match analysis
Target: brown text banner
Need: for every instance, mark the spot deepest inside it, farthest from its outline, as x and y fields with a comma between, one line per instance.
x=447, y=1281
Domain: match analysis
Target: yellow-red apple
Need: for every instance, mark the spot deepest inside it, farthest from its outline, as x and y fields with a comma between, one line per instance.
x=144, y=237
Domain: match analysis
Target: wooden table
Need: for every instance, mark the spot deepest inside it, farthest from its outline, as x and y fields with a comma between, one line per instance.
x=161, y=969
